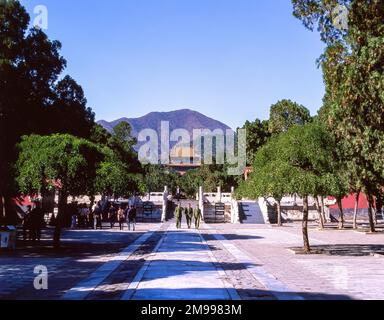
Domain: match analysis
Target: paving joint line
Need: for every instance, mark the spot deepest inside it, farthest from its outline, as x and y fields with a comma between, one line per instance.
x=232, y=292
x=85, y=287
x=270, y=282
x=130, y=291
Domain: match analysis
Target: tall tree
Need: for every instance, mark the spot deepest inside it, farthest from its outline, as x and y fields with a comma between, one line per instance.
x=269, y=176
x=257, y=136
x=354, y=75
x=69, y=112
x=285, y=114
x=29, y=65
x=120, y=174
x=308, y=151
x=62, y=161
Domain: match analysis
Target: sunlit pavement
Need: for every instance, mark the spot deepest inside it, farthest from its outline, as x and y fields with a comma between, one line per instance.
x=349, y=270
x=82, y=252
x=220, y=262
x=181, y=267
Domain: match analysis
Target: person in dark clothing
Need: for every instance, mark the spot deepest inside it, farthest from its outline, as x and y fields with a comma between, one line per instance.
x=189, y=215
x=178, y=216
x=112, y=216
x=26, y=224
x=132, y=213
x=36, y=222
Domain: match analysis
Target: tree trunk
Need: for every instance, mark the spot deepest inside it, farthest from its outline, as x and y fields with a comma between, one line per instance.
x=356, y=210
x=279, y=220
x=323, y=209
x=62, y=208
x=379, y=205
x=319, y=211
x=307, y=248
x=370, y=213
x=340, y=205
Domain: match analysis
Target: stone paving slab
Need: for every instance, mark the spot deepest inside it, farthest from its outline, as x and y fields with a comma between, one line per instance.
x=86, y=286
x=221, y=262
x=344, y=276
x=181, y=268
x=83, y=252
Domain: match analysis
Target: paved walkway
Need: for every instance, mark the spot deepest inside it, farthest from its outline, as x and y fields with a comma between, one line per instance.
x=181, y=267
x=219, y=262
x=346, y=271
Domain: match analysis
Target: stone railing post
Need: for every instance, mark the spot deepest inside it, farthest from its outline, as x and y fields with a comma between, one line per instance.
x=165, y=205
x=219, y=195
x=201, y=201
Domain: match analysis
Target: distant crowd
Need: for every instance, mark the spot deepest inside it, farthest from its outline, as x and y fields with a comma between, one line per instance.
x=81, y=217
x=92, y=217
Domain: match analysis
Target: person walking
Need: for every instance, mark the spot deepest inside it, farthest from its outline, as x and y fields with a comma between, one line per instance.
x=189, y=215
x=85, y=216
x=36, y=222
x=112, y=216
x=178, y=216
x=98, y=215
x=131, y=218
x=121, y=218
x=91, y=217
x=197, y=214
x=26, y=223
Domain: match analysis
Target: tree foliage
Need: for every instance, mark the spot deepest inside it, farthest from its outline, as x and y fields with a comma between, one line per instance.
x=120, y=173
x=58, y=160
x=353, y=66
x=257, y=135
x=32, y=98
x=299, y=161
x=285, y=114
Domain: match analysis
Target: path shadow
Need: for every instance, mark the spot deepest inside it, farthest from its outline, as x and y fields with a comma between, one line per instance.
x=219, y=294
x=346, y=250
x=74, y=244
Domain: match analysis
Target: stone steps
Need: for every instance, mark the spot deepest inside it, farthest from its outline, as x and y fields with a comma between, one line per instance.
x=250, y=213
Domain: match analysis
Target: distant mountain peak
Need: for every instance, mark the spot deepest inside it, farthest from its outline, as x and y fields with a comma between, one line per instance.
x=179, y=119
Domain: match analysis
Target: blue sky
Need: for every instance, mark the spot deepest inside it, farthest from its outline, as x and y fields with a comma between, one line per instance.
x=229, y=59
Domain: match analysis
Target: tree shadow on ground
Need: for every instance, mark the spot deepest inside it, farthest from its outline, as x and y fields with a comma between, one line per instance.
x=79, y=243
x=345, y=250
x=217, y=294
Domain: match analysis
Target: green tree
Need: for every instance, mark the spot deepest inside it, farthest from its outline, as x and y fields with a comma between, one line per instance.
x=69, y=112
x=308, y=151
x=354, y=77
x=114, y=179
x=209, y=177
x=156, y=177
x=64, y=160
x=295, y=162
x=269, y=176
x=257, y=136
x=123, y=132
x=32, y=100
x=285, y=114
x=29, y=65
x=120, y=174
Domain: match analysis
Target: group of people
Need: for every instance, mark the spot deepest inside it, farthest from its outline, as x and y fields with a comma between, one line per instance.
x=86, y=217
x=33, y=222
x=122, y=216
x=190, y=214
x=83, y=216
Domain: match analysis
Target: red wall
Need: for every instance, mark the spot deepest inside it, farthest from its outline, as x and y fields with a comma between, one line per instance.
x=349, y=202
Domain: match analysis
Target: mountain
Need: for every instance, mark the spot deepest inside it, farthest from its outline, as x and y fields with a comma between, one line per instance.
x=180, y=119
